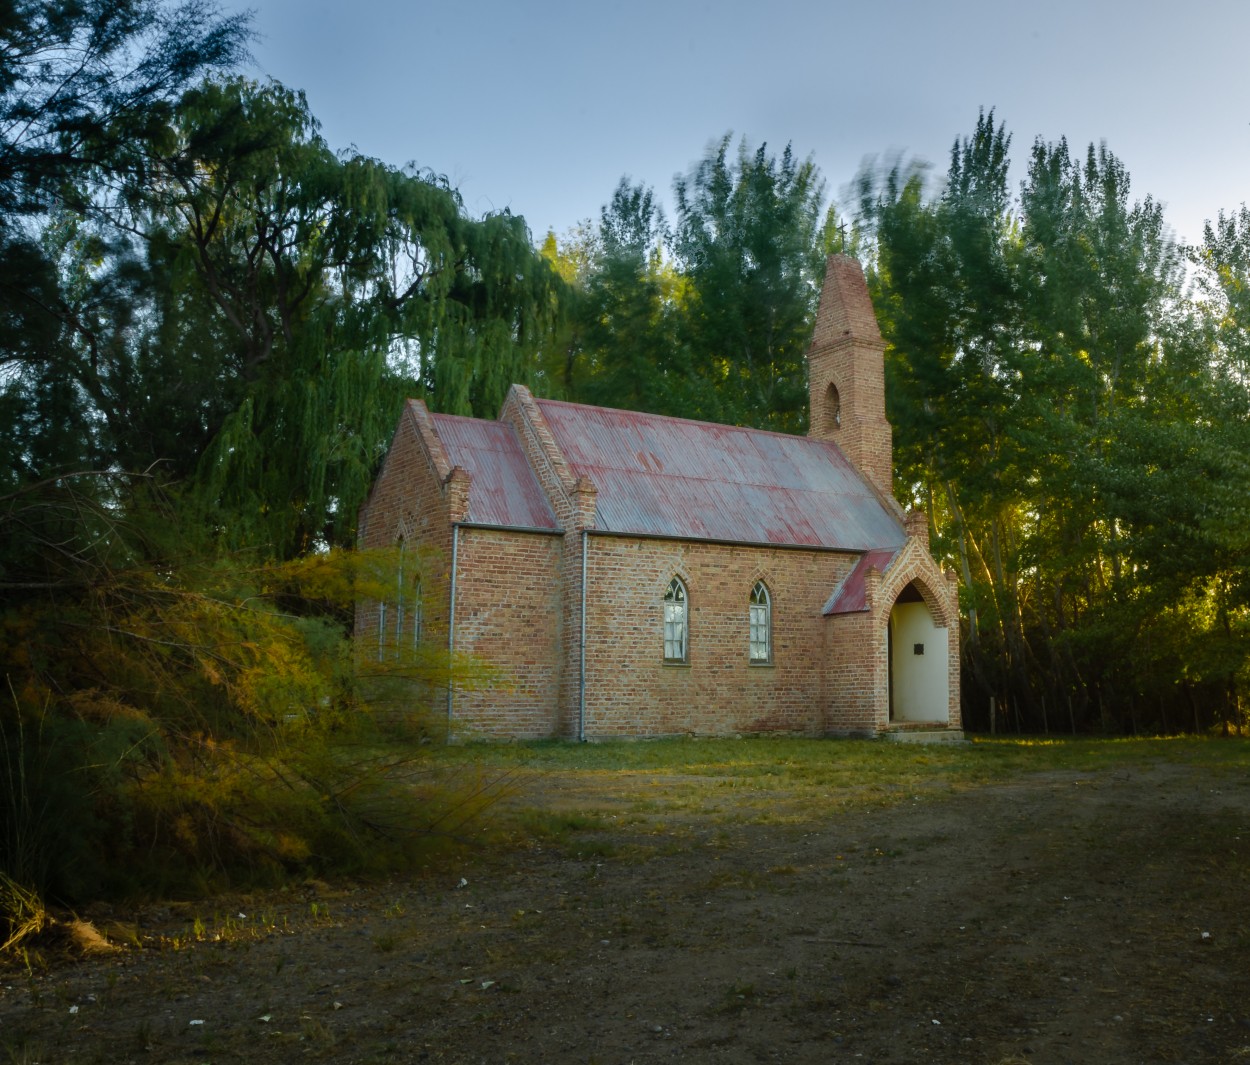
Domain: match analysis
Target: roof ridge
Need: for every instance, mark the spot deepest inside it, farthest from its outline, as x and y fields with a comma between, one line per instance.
x=688, y=421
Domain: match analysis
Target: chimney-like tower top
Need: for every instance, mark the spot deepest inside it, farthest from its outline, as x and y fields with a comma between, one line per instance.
x=846, y=374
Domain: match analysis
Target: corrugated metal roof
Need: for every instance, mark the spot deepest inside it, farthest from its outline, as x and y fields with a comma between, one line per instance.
x=676, y=478
x=849, y=596
x=504, y=490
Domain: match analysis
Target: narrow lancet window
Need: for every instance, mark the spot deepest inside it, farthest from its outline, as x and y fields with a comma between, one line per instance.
x=676, y=628
x=761, y=624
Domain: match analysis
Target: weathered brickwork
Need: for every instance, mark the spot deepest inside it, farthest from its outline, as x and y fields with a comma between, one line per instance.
x=846, y=375
x=409, y=503
x=508, y=615
x=631, y=691
x=573, y=502
x=508, y=606
x=858, y=674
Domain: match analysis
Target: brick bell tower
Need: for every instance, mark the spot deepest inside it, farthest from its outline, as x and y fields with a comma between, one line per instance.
x=846, y=374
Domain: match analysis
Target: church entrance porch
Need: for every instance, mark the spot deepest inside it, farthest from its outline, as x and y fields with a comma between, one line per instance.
x=919, y=669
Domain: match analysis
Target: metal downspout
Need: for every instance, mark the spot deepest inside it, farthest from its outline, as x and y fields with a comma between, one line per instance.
x=451, y=627
x=581, y=693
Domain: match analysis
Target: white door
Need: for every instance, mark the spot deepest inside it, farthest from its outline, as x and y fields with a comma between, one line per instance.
x=919, y=677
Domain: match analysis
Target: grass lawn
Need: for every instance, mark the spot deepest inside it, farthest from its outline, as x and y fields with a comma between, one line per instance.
x=790, y=779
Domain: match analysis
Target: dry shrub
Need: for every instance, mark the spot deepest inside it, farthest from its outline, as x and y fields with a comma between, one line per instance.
x=23, y=913
x=177, y=730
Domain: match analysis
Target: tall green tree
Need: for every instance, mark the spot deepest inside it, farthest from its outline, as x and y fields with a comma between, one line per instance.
x=87, y=85
x=1055, y=402
x=1099, y=274
x=710, y=317
x=246, y=319
x=748, y=239
x=203, y=356
x=87, y=91
x=1217, y=467
x=944, y=280
x=343, y=284
x=632, y=353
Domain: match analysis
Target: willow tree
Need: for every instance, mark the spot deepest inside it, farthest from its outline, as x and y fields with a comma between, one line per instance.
x=222, y=331
x=336, y=284
x=87, y=89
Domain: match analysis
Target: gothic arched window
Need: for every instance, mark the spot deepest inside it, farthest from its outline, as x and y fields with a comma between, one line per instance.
x=761, y=623
x=676, y=622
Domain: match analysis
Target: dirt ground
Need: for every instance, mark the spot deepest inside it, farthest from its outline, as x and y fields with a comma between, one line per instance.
x=1063, y=918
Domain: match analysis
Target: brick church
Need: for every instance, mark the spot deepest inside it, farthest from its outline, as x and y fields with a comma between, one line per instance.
x=628, y=574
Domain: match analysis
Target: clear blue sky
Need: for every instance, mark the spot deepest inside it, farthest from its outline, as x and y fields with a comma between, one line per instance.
x=540, y=106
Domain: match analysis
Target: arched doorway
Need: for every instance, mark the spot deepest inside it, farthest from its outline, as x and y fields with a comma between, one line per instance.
x=919, y=667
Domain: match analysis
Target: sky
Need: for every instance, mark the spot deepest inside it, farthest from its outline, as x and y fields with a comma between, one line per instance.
x=541, y=106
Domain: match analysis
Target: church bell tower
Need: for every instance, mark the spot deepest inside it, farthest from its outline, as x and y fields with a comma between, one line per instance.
x=846, y=374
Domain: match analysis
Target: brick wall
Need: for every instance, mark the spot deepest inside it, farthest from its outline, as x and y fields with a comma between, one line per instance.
x=508, y=589
x=573, y=502
x=858, y=674
x=512, y=590
x=509, y=615
x=631, y=691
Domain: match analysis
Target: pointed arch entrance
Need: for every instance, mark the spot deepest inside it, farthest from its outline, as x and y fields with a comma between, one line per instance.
x=918, y=651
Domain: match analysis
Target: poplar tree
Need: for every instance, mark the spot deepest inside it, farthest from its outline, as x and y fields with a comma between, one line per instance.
x=632, y=354
x=1067, y=419
x=749, y=243
x=1216, y=469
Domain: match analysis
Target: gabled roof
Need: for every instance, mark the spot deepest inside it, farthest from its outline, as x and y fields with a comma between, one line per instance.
x=671, y=477
x=504, y=490
x=850, y=596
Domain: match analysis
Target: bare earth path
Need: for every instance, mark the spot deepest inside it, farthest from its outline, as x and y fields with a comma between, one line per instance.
x=1059, y=918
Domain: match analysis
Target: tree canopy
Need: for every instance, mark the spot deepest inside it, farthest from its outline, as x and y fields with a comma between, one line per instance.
x=708, y=316
x=1061, y=408
x=1067, y=386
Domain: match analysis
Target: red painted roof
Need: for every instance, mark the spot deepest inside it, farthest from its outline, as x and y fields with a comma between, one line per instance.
x=504, y=490
x=849, y=596
x=672, y=477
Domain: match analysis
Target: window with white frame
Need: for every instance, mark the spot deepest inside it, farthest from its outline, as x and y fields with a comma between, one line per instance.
x=761, y=623
x=676, y=622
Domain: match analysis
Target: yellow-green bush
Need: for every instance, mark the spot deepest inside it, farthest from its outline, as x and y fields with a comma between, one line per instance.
x=178, y=729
